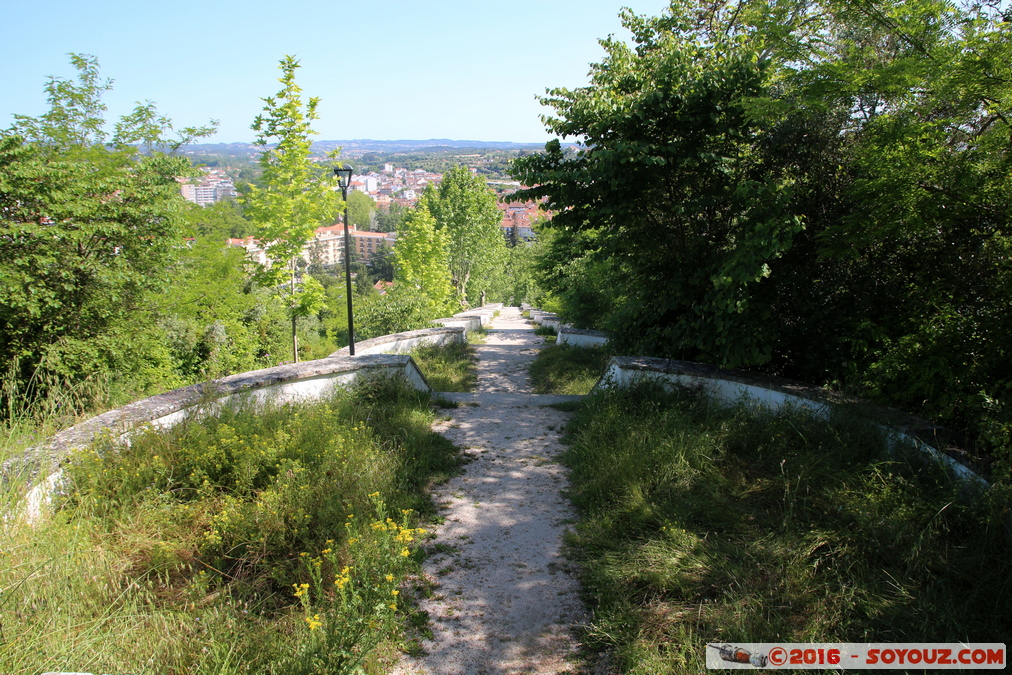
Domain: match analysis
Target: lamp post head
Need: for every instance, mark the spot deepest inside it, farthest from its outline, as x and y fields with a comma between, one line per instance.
x=343, y=174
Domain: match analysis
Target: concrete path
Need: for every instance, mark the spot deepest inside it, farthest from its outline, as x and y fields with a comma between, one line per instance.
x=503, y=602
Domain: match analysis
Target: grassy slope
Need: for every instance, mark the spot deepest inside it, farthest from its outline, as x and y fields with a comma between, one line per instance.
x=701, y=524
x=264, y=540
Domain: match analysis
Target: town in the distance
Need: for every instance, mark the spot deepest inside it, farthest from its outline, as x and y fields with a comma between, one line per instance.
x=388, y=185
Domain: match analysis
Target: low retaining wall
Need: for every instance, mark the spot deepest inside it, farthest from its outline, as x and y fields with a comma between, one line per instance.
x=295, y=381
x=468, y=323
x=731, y=386
x=402, y=343
x=483, y=315
x=291, y=382
x=539, y=317
x=581, y=338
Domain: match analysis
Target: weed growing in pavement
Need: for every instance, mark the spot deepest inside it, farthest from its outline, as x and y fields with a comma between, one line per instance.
x=701, y=523
x=183, y=548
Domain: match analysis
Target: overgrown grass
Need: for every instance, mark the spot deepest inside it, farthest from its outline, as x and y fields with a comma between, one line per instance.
x=262, y=539
x=449, y=367
x=703, y=524
x=550, y=334
x=477, y=336
x=567, y=369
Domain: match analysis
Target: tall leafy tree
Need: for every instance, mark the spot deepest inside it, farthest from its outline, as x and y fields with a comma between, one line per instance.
x=465, y=208
x=361, y=209
x=689, y=223
x=816, y=187
x=86, y=229
x=422, y=262
x=291, y=199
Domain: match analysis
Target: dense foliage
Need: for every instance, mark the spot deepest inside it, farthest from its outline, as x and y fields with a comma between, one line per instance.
x=113, y=285
x=819, y=188
x=88, y=226
x=465, y=212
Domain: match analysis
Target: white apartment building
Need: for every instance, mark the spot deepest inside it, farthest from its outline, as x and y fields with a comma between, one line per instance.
x=214, y=187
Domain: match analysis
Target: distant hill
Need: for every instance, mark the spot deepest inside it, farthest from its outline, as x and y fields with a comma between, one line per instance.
x=360, y=146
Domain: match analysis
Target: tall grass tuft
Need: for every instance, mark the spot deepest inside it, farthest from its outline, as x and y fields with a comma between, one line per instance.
x=451, y=367
x=568, y=369
x=701, y=523
x=260, y=539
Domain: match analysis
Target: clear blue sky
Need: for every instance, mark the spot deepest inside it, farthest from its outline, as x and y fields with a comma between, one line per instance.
x=400, y=69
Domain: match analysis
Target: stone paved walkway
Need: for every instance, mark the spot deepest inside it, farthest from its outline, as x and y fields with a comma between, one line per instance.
x=504, y=602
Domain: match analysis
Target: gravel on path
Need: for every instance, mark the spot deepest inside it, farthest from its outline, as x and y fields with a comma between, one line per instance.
x=504, y=602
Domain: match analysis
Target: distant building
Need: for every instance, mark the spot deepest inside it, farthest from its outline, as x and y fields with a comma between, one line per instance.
x=326, y=247
x=214, y=186
x=254, y=251
x=517, y=217
x=368, y=243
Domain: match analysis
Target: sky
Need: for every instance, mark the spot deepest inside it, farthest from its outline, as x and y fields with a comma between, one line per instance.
x=385, y=70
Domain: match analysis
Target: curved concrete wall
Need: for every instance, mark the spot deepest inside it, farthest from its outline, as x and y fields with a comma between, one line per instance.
x=732, y=386
x=301, y=381
x=297, y=381
x=581, y=338
x=402, y=343
x=468, y=323
x=383, y=356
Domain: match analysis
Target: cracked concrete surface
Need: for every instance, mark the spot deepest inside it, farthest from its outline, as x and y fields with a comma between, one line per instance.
x=504, y=602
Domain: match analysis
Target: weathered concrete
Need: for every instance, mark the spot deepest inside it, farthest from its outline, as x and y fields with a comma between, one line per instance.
x=402, y=343
x=483, y=315
x=309, y=379
x=468, y=323
x=581, y=338
x=732, y=386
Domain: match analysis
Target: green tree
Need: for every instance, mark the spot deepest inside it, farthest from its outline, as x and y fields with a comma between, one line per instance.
x=292, y=197
x=214, y=320
x=687, y=222
x=466, y=209
x=381, y=263
x=399, y=309
x=87, y=229
x=390, y=219
x=760, y=179
x=223, y=220
x=422, y=262
x=361, y=208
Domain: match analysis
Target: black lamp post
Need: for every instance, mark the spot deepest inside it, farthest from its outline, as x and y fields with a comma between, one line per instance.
x=344, y=180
